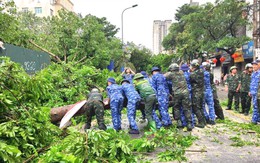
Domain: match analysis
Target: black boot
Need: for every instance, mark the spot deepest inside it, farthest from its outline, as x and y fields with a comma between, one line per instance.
x=102, y=127
x=189, y=127
x=179, y=124
x=87, y=126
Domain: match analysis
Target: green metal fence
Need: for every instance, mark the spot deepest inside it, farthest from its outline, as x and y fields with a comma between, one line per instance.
x=32, y=61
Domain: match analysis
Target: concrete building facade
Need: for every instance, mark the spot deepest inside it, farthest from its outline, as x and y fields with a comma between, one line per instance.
x=44, y=8
x=160, y=30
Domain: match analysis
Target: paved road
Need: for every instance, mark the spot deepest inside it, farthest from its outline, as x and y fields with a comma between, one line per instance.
x=216, y=140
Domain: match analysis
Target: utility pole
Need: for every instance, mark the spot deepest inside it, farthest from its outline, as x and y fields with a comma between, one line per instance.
x=256, y=28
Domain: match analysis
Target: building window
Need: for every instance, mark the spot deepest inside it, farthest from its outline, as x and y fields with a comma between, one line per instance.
x=25, y=9
x=38, y=10
x=51, y=12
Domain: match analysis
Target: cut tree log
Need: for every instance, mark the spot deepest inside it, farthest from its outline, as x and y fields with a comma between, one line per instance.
x=58, y=113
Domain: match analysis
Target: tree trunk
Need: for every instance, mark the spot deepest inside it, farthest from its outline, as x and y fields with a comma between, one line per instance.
x=58, y=113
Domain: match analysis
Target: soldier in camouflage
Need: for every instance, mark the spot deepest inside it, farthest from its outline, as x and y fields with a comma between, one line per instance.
x=133, y=98
x=185, y=69
x=95, y=107
x=116, y=100
x=180, y=94
x=197, y=86
x=254, y=86
x=244, y=89
x=147, y=94
x=160, y=86
x=232, y=86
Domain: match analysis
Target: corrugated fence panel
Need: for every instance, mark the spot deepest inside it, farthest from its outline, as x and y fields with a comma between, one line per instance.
x=32, y=61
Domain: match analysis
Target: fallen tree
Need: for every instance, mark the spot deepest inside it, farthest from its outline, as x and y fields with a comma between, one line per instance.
x=58, y=113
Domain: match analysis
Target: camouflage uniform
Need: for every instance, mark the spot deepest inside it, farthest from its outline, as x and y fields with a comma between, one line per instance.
x=233, y=81
x=133, y=98
x=114, y=92
x=217, y=107
x=162, y=93
x=254, y=86
x=197, y=87
x=208, y=99
x=181, y=95
x=95, y=107
x=244, y=89
x=184, y=123
x=148, y=95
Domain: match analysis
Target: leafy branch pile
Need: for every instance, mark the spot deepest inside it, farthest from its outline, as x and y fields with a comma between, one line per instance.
x=24, y=124
x=25, y=102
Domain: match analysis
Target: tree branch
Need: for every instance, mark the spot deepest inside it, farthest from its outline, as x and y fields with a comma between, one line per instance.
x=50, y=53
x=81, y=60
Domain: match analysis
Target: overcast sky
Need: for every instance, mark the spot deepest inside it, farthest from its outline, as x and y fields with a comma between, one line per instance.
x=138, y=21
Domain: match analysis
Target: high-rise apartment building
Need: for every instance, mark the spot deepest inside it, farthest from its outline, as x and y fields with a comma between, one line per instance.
x=44, y=8
x=160, y=30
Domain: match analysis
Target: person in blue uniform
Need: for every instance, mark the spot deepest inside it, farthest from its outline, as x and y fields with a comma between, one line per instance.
x=133, y=98
x=116, y=99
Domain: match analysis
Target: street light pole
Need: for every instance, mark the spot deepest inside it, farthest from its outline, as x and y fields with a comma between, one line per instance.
x=122, y=22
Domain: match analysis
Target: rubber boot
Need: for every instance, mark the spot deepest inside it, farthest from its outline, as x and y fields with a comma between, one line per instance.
x=152, y=125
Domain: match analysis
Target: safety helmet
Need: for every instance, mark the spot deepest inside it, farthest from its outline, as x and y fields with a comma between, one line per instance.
x=174, y=67
x=138, y=76
x=195, y=63
x=232, y=67
x=206, y=65
x=249, y=65
x=94, y=90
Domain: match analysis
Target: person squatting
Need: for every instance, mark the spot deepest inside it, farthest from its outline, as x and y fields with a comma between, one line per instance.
x=190, y=88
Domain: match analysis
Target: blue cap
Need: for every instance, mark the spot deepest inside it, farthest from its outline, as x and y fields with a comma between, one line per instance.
x=254, y=62
x=185, y=67
x=156, y=69
x=144, y=74
x=111, y=80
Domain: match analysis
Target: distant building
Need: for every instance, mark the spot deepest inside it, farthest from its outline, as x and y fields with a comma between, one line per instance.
x=194, y=3
x=44, y=8
x=160, y=30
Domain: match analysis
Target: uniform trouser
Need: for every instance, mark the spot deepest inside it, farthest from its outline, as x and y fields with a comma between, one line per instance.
x=208, y=99
x=131, y=111
x=96, y=108
x=182, y=102
x=197, y=100
x=255, y=116
x=245, y=102
x=218, y=109
x=163, y=101
x=116, y=106
x=234, y=94
x=150, y=102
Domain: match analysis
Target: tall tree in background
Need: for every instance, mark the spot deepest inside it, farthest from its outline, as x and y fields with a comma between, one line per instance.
x=210, y=27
